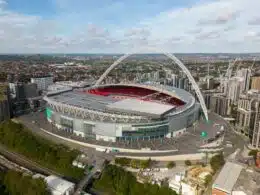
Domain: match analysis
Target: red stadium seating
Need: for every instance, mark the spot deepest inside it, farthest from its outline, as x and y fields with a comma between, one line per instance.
x=133, y=91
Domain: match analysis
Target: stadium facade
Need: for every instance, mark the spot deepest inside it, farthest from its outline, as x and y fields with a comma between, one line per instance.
x=117, y=112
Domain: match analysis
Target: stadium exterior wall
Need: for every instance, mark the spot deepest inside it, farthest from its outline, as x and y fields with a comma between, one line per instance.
x=108, y=131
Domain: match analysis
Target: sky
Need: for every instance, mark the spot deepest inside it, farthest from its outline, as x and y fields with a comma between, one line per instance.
x=136, y=26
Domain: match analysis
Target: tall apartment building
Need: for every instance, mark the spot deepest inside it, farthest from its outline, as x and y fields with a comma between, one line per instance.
x=219, y=104
x=42, y=82
x=256, y=136
x=243, y=120
x=255, y=83
x=248, y=118
x=255, y=124
x=223, y=85
x=245, y=74
x=234, y=88
x=174, y=78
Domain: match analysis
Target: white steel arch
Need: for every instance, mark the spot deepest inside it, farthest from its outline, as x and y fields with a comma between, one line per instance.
x=178, y=62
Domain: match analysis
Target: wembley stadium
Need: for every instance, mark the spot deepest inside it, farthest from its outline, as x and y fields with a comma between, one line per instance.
x=116, y=112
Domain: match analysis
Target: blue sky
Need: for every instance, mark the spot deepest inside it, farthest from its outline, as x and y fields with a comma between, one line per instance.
x=112, y=26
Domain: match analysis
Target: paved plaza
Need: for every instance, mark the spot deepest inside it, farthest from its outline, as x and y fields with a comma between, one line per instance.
x=187, y=143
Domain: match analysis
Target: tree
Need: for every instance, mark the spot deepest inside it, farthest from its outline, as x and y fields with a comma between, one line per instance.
x=123, y=161
x=253, y=153
x=217, y=161
x=59, y=158
x=144, y=164
x=208, y=179
x=165, y=182
x=171, y=164
x=106, y=162
x=17, y=183
x=187, y=163
x=116, y=181
x=135, y=163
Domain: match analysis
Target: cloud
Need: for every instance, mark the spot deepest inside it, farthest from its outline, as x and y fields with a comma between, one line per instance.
x=255, y=21
x=208, y=35
x=2, y=3
x=253, y=34
x=210, y=26
x=195, y=31
x=229, y=28
x=223, y=18
x=140, y=32
x=95, y=31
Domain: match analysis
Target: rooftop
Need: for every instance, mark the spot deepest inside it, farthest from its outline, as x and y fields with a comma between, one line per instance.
x=79, y=84
x=248, y=182
x=83, y=100
x=89, y=101
x=57, y=185
x=136, y=106
x=228, y=177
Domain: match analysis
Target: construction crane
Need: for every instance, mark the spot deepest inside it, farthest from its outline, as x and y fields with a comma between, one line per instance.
x=230, y=68
x=238, y=66
x=251, y=68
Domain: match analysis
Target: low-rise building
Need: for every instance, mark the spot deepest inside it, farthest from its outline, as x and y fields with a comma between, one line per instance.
x=235, y=179
x=178, y=185
x=59, y=186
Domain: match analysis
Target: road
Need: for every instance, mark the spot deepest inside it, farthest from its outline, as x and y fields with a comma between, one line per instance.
x=230, y=153
x=231, y=136
x=40, y=122
x=85, y=181
x=36, y=129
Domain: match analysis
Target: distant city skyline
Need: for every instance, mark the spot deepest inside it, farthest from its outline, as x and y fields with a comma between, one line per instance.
x=84, y=26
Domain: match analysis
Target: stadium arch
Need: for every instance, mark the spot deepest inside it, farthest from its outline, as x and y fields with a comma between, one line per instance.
x=178, y=62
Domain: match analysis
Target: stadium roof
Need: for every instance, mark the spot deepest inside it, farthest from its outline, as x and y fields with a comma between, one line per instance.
x=136, y=106
x=228, y=177
x=84, y=100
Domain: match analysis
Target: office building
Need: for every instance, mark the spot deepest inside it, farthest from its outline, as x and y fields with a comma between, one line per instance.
x=21, y=91
x=42, y=82
x=255, y=83
x=20, y=94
